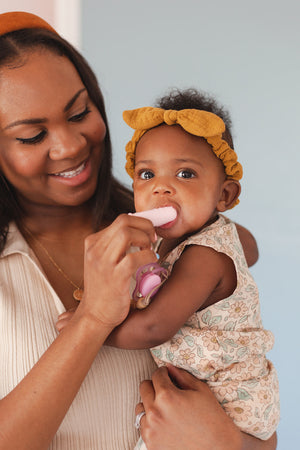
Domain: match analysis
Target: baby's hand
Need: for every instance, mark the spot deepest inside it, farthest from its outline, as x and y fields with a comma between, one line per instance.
x=64, y=319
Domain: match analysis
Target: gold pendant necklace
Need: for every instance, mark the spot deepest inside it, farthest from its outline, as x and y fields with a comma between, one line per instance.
x=78, y=291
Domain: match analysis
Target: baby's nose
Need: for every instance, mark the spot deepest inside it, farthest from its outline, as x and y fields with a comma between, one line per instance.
x=163, y=186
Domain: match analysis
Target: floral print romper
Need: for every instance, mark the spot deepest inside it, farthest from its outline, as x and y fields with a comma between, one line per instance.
x=225, y=344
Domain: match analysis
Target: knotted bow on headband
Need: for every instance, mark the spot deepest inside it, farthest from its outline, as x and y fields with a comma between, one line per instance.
x=197, y=122
x=17, y=20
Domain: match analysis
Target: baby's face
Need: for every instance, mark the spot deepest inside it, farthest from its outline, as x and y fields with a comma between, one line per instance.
x=175, y=168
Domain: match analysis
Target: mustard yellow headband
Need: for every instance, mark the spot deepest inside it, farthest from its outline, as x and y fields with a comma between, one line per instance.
x=194, y=121
x=17, y=20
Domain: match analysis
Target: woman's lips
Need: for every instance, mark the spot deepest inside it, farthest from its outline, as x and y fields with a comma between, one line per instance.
x=72, y=172
x=74, y=177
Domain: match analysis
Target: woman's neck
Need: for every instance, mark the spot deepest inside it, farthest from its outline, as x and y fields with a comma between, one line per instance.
x=58, y=221
x=57, y=240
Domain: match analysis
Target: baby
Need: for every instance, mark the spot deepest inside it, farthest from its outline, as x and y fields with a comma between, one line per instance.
x=206, y=316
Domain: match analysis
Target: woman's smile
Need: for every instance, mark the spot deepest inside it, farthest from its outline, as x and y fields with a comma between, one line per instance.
x=72, y=172
x=75, y=176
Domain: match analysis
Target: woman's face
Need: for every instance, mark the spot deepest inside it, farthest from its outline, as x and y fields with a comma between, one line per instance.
x=51, y=134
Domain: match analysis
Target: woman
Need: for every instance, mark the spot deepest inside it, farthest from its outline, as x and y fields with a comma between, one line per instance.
x=58, y=202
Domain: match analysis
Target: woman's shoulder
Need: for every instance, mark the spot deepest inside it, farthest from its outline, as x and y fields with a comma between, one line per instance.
x=15, y=242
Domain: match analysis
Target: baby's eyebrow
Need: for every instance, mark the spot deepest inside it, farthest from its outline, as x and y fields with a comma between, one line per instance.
x=143, y=161
x=188, y=160
x=185, y=161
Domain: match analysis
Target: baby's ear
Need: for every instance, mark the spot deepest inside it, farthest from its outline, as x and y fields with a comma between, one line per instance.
x=230, y=193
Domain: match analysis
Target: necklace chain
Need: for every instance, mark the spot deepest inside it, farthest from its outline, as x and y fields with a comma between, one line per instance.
x=78, y=292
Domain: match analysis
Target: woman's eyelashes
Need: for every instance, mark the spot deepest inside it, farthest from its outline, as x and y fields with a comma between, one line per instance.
x=33, y=140
x=80, y=116
x=40, y=136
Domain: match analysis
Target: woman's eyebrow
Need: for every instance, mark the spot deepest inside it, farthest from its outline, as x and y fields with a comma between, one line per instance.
x=43, y=119
x=25, y=122
x=73, y=99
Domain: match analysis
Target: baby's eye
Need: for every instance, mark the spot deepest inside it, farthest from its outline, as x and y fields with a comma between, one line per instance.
x=33, y=140
x=80, y=116
x=146, y=174
x=186, y=173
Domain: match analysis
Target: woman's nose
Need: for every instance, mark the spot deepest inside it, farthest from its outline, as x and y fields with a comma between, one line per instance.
x=66, y=144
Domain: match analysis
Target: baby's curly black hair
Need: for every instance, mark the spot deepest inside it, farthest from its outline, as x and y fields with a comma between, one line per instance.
x=191, y=98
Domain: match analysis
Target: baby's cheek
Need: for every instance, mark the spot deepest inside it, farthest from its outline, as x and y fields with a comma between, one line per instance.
x=140, y=199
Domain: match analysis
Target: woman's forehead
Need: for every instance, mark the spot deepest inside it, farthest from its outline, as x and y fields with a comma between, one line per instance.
x=42, y=80
x=38, y=64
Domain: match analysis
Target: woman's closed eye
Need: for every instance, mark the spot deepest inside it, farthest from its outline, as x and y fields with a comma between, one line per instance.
x=40, y=136
x=80, y=116
x=186, y=173
x=34, y=139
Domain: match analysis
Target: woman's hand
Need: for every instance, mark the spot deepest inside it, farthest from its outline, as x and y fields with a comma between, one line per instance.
x=108, y=268
x=188, y=416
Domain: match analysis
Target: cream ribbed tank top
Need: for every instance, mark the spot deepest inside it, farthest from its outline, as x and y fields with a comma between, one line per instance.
x=102, y=415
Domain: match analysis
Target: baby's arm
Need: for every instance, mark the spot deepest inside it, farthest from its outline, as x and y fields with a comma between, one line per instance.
x=160, y=216
x=200, y=277
x=249, y=244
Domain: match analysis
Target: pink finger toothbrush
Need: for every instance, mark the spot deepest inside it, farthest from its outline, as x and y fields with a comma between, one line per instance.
x=151, y=276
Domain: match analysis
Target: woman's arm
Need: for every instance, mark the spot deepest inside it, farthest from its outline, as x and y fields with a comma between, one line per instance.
x=31, y=413
x=36, y=407
x=188, y=416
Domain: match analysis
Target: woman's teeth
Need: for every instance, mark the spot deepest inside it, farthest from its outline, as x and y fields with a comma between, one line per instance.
x=71, y=173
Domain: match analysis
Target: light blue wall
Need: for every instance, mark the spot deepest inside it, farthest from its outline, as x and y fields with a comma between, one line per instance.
x=247, y=53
